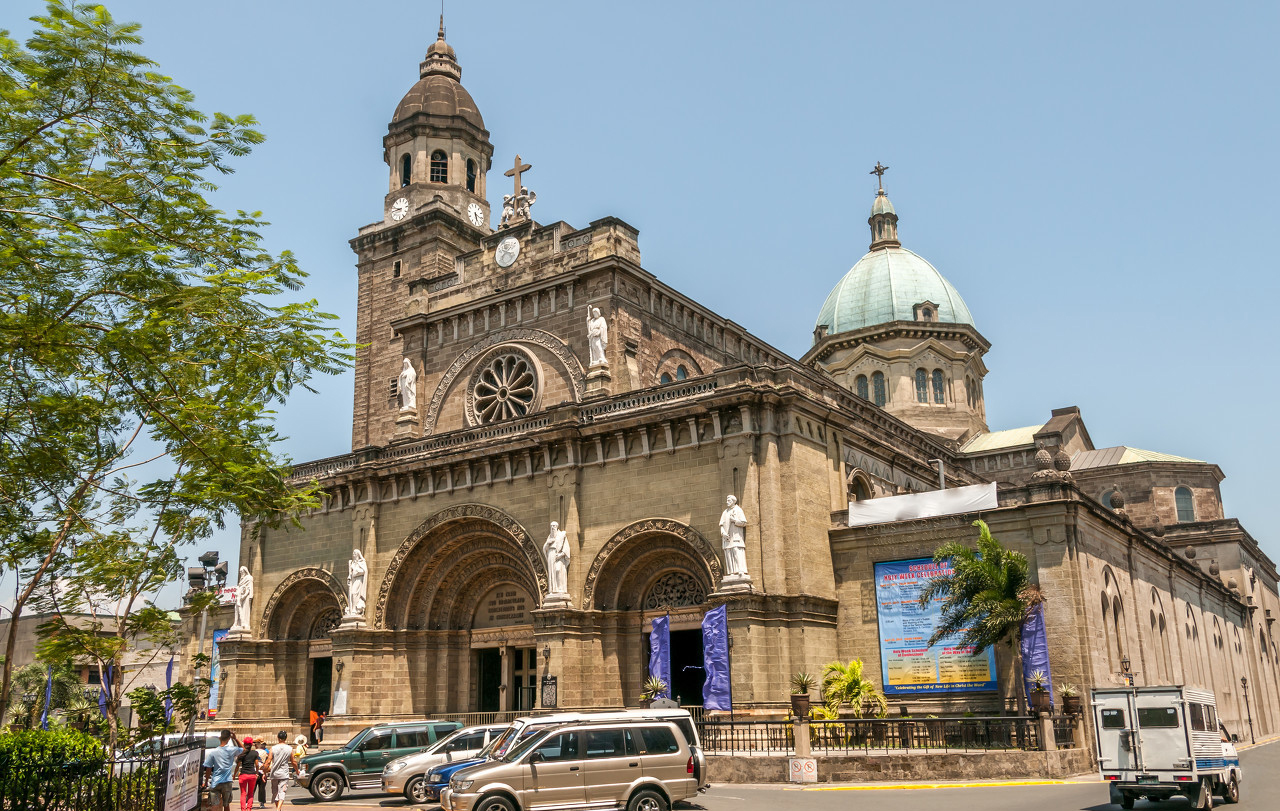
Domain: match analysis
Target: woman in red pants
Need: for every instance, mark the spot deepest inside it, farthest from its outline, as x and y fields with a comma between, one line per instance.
x=248, y=774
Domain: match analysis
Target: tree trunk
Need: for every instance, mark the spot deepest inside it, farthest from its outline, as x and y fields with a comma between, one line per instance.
x=1020, y=685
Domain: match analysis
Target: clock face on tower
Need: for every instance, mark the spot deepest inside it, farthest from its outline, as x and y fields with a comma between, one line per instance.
x=399, y=209
x=508, y=250
x=476, y=214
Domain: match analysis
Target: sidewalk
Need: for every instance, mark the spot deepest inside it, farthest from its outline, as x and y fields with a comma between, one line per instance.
x=907, y=786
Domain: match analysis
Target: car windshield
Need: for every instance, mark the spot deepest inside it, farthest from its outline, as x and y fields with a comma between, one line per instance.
x=354, y=742
x=525, y=743
x=496, y=745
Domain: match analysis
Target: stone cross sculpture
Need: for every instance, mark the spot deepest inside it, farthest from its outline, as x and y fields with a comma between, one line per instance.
x=408, y=386
x=556, y=550
x=357, y=573
x=597, y=337
x=244, y=600
x=733, y=537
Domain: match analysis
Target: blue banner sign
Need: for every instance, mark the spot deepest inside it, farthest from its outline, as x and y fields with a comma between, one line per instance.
x=907, y=664
x=215, y=671
x=716, y=689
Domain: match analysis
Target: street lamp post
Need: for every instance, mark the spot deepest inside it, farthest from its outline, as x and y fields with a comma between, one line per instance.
x=200, y=579
x=1244, y=685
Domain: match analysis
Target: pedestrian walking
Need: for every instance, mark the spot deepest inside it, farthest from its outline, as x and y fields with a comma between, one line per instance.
x=248, y=768
x=320, y=727
x=312, y=728
x=279, y=761
x=219, y=766
x=262, y=774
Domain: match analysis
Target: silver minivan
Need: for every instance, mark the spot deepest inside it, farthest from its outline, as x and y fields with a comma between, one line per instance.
x=405, y=775
x=640, y=765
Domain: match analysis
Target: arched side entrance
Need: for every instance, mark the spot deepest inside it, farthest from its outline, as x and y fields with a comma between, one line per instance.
x=299, y=615
x=648, y=569
x=459, y=593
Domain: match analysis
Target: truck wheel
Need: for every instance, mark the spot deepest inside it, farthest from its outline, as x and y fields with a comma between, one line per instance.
x=1126, y=801
x=1231, y=792
x=326, y=786
x=1206, y=793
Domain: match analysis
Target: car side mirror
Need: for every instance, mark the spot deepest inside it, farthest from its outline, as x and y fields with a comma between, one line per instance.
x=536, y=757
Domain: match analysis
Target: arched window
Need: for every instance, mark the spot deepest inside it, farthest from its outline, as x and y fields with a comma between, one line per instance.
x=439, y=167
x=681, y=373
x=926, y=314
x=1186, y=506
x=922, y=386
x=406, y=170
x=939, y=393
x=1106, y=499
x=881, y=396
x=471, y=175
x=1113, y=619
x=860, y=387
x=858, y=489
x=665, y=378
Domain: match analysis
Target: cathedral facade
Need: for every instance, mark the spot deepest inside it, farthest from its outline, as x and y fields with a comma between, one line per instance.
x=508, y=379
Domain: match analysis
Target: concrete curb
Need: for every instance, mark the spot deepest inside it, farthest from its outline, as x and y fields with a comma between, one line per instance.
x=1072, y=781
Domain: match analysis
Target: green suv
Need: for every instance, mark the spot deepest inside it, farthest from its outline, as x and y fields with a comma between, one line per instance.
x=358, y=765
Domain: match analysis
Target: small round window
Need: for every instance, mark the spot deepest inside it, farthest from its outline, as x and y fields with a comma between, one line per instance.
x=504, y=387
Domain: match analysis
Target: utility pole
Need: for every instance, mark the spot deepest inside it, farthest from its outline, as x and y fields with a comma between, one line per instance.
x=1244, y=685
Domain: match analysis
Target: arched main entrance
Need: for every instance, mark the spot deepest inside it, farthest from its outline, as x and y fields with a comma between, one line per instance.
x=300, y=614
x=653, y=568
x=459, y=593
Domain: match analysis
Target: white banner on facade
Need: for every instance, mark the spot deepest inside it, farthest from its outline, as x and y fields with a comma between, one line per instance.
x=182, y=783
x=954, y=501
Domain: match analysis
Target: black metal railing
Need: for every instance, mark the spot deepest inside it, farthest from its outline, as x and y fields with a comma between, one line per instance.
x=44, y=780
x=975, y=734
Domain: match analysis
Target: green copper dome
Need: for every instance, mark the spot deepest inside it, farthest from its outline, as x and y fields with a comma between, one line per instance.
x=885, y=286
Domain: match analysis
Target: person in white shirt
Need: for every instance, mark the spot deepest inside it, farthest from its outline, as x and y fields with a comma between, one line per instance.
x=276, y=769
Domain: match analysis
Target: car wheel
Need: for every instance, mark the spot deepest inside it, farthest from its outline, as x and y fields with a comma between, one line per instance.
x=326, y=786
x=415, y=791
x=647, y=800
x=1231, y=792
x=1126, y=801
x=1206, y=794
x=498, y=803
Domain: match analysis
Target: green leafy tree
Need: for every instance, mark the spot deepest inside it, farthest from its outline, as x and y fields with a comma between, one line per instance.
x=845, y=683
x=985, y=598
x=147, y=336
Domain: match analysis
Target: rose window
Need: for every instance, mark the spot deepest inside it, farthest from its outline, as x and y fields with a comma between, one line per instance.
x=505, y=387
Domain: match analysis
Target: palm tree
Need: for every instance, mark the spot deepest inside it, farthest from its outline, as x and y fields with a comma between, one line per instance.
x=845, y=684
x=986, y=597
x=28, y=691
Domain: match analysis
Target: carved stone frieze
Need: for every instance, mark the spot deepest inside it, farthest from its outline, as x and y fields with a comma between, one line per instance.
x=508, y=336
x=493, y=516
x=693, y=542
x=326, y=578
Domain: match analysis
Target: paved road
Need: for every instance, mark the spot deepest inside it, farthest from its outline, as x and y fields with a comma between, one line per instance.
x=1259, y=792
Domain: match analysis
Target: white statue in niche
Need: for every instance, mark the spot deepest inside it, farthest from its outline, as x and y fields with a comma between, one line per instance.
x=733, y=536
x=556, y=550
x=244, y=600
x=408, y=387
x=357, y=573
x=597, y=337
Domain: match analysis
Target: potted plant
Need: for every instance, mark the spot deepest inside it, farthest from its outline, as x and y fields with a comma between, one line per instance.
x=1039, y=695
x=801, y=684
x=1070, y=698
x=653, y=688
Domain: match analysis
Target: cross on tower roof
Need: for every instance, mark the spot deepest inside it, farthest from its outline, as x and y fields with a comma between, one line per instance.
x=515, y=172
x=879, y=173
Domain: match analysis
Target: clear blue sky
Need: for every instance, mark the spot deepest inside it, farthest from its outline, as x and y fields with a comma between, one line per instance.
x=1097, y=179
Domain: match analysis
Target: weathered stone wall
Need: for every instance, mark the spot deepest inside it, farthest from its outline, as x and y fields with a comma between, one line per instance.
x=909, y=766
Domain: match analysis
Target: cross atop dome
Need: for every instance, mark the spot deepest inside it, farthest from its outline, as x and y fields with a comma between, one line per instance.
x=878, y=171
x=883, y=220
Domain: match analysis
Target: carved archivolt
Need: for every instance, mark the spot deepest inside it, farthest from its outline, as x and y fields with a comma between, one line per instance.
x=325, y=578
x=509, y=336
x=618, y=554
x=508, y=527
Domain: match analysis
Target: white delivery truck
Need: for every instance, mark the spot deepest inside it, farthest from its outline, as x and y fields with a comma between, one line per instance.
x=1159, y=742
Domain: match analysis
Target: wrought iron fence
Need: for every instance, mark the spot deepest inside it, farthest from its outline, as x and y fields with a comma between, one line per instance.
x=867, y=735
x=40, y=780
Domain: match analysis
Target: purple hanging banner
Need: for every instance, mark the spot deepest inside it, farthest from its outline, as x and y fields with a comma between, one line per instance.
x=168, y=697
x=1035, y=651
x=717, y=692
x=660, y=653
x=48, y=696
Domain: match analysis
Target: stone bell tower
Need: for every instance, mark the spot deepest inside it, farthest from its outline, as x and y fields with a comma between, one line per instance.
x=437, y=152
